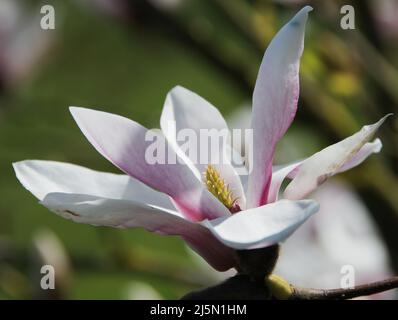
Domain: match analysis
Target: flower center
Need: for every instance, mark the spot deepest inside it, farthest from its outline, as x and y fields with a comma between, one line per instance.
x=217, y=186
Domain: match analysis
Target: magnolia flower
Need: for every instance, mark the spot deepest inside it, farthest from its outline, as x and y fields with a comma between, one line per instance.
x=213, y=212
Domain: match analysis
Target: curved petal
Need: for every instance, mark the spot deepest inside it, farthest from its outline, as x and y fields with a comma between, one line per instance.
x=275, y=102
x=118, y=213
x=125, y=143
x=291, y=170
x=278, y=175
x=99, y=211
x=186, y=120
x=218, y=255
x=262, y=226
x=43, y=177
x=184, y=109
x=319, y=167
x=368, y=149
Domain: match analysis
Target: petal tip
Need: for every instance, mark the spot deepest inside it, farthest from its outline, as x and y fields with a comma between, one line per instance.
x=24, y=172
x=381, y=121
x=15, y=165
x=84, y=116
x=313, y=206
x=177, y=88
x=301, y=16
x=378, y=123
x=18, y=166
x=17, y=170
x=74, y=110
x=387, y=116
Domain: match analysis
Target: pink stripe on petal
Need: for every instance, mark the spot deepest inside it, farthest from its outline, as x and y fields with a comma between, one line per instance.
x=123, y=142
x=184, y=109
x=275, y=102
x=218, y=255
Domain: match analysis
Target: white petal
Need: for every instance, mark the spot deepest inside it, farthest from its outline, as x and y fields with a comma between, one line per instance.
x=262, y=226
x=275, y=102
x=240, y=120
x=119, y=213
x=125, y=143
x=368, y=149
x=279, y=174
x=44, y=177
x=129, y=214
x=186, y=111
x=316, y=169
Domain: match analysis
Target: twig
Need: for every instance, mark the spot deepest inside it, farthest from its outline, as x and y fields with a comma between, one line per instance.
x=242, y=287
x=344, y=294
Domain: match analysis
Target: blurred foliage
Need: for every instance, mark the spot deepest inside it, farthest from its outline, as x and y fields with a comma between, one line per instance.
x=126, y=64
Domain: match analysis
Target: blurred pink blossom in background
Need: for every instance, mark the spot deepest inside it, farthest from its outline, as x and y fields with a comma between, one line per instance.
x=23, y=42
x=342, y=233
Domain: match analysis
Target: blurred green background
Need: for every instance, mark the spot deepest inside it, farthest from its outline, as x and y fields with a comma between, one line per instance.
x=123, y=57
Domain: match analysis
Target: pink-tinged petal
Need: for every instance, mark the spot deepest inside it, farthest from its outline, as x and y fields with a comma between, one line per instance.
x=131, y=214
x=278, y=176
x=117, y=213
x=44, y=177
x=279, y=173
x=125, y=143
x=368, y=149
x=185, y=111
x=319, y=167
x=275, y=102
x=240, y=144
x=262, y=226
x=218, y=255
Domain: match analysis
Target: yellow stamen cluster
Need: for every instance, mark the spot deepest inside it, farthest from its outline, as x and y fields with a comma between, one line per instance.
x=217, y=186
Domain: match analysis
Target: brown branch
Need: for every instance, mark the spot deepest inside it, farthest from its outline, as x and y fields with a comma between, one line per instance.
x=242, y=287
x=344, y=294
